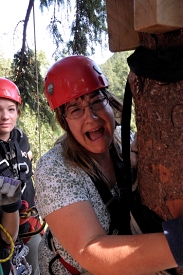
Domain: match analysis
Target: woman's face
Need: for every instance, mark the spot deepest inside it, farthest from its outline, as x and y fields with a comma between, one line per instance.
x=8, y=117
x=94, y=129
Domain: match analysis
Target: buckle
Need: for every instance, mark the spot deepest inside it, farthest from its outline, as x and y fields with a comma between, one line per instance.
x=4, y=161
x=3, y=165
x=22, y=166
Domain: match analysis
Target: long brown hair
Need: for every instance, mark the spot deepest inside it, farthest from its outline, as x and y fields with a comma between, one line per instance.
x=75, y=154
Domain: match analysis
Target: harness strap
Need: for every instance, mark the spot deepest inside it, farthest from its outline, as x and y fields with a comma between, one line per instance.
x=4, y=165
x=70, y=268
x=117, y=206
x=6, y=168
x=51, y=262
x=119, y=221
x=30, y=216
x=67, y=266
x=125, y=138
x=22, y=166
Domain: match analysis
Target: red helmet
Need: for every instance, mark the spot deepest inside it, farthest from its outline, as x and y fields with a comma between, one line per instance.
x=9, y=90
x=70, y=78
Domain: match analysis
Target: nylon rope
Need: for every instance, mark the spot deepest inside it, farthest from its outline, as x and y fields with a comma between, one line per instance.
x=11, y=243
x=37, y=88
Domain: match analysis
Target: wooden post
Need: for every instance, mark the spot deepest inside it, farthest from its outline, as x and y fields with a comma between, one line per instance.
x=120, y=18
x=126, y=18
x=158, y=16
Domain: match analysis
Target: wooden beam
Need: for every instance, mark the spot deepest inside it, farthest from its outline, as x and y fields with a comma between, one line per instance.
x=120, y=18
x=158, y=16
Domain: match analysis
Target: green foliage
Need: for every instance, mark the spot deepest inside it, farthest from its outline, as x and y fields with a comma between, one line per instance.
x=30, y=84
x=41, y=135
x=43, y=62
x=48, y=3
x=86, y=30
x=88, y=26
x=116, y=71
x=27, y=77
x=5, y=67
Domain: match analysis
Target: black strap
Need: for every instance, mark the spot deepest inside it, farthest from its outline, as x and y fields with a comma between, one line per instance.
x=124, y=210
x=22, y=166
x=113, y=206
x=6, y=167
x=125, y=137
x=161, y=65
x=117, y=205
x=71, y=269
x=49, y=237
x=51, y=263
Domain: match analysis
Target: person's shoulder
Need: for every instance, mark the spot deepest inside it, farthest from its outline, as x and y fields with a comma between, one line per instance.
x=118, y=131
x=21, y=134
x=52, y=155
x=50, y=164
x=22, y=139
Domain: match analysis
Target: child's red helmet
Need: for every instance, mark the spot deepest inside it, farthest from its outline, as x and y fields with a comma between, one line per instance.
x=9, y=90
x=70, y=78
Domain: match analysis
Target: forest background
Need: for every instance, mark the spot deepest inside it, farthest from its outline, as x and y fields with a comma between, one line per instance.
x=36, y=119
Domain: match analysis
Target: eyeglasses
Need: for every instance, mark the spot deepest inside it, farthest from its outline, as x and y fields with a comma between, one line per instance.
x=78, y=111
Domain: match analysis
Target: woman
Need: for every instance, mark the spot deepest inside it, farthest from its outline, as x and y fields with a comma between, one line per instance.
x=79, y=183
x=15, y=159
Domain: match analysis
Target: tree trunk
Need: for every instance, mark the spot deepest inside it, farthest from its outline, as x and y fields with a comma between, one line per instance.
x=26, y=20
x=159, y=119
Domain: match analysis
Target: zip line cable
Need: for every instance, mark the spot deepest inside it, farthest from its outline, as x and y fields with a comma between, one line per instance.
x=37, y=88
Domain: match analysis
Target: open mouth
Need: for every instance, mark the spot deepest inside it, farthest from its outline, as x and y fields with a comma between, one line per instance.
x=95, y=134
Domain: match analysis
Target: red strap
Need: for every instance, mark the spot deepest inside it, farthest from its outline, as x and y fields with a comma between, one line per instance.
x=69, y=267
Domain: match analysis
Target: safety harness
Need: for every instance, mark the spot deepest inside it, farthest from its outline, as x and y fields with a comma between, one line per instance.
x=14, y=166
x=51, y=246
x=5, y=169
x=30, y=216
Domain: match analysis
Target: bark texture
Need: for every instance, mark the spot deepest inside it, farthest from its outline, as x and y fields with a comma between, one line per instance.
x=159, y=119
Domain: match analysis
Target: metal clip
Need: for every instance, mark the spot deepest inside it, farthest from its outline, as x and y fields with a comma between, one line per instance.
x=22, y=166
